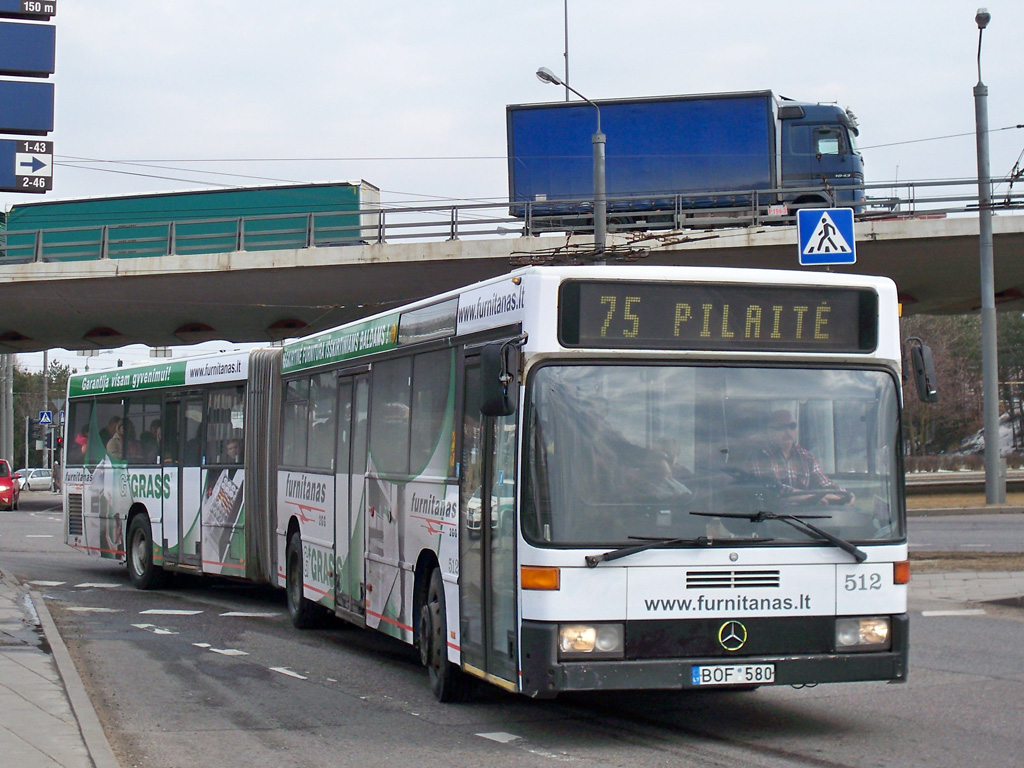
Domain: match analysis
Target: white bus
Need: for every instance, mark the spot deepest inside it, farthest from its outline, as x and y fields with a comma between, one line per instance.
x=564, y=479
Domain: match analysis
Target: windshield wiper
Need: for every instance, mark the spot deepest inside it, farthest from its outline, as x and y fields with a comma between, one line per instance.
x=656, y=543
x=796, y=521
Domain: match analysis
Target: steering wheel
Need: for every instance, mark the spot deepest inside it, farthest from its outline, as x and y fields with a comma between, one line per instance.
x=814, y=496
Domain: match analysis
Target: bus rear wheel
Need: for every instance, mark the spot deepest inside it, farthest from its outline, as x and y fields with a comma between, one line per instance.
x=304, y=613
x=142, y=571
x=447, y=681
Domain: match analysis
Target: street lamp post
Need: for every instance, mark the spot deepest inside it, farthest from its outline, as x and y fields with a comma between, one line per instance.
x=995, y=483
x=545, y=75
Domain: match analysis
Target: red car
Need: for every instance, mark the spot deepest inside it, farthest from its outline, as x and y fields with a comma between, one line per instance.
x=10, y=489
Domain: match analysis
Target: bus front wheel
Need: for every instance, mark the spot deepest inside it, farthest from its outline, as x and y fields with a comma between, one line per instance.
x=142, y=571
x=447, y=681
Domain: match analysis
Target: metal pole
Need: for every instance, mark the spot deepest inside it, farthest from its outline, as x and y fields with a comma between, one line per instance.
x=995, y=483
x=545, y=75
x=566, y=50
x=46, y=406
x=5, y=416
x=600, y=195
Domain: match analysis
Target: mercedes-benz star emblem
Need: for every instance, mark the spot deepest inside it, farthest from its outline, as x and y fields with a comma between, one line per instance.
x=732, y=635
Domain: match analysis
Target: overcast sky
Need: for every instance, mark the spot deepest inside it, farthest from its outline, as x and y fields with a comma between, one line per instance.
x=410, y=95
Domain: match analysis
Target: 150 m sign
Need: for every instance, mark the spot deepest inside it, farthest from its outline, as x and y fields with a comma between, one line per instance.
x=28, y=9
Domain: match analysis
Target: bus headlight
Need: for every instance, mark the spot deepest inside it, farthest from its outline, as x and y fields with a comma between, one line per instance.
x=577, y=641
x=865, y=633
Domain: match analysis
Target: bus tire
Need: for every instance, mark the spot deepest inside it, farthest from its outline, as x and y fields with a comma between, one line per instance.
x=447, y=681
x=303, y=612
x=142, y=571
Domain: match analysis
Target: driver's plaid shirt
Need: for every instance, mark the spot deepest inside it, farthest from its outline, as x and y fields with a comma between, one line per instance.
x=800, y=472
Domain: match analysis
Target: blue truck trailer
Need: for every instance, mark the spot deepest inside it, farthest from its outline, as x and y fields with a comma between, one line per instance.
x=677, y=159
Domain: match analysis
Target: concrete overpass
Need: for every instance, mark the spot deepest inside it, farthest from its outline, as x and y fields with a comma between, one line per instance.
x=246, y=296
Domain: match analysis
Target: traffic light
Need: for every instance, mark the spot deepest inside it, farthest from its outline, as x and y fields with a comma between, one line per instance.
x=37, y=430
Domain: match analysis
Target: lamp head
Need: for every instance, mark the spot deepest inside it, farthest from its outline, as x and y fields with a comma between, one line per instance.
x=545, y=75
x=982, y=17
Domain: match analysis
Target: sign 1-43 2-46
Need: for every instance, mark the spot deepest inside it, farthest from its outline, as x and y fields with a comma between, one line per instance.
x=26, y=165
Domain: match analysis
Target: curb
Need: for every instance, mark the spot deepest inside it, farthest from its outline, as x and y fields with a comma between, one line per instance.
x=88, y=723
x=947, y=511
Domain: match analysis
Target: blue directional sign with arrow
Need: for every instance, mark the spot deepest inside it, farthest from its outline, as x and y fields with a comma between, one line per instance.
x=27, y=49
x=26, y=165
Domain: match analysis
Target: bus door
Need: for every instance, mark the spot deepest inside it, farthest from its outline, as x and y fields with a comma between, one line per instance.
x=183, y=451
x=487, y=584
x=350, y=466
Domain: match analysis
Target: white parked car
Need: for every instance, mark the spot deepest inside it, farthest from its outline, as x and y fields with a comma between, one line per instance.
x=35, y=479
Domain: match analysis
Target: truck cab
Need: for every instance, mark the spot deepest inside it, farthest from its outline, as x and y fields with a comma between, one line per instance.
x=817, y=145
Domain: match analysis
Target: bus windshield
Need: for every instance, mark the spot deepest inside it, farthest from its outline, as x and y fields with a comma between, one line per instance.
x=619, y=454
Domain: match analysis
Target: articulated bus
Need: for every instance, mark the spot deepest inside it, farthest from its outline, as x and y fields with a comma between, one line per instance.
x=563, y=479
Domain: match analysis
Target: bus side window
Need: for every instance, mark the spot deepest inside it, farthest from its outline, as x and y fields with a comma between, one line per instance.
x=224, y=423
x=79, y=415
x=322, y=424
x=169, y=433
x=193, y=432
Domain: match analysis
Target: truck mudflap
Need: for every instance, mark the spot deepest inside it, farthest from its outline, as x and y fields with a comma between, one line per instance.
x=545, y=676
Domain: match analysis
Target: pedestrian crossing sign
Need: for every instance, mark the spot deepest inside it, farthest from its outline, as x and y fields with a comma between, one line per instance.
x=825, y=236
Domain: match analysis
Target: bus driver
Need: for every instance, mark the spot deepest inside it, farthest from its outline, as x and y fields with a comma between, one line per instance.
x=790, y=469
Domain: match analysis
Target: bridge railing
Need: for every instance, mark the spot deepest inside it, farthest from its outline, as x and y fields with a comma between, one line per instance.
x=635, y=214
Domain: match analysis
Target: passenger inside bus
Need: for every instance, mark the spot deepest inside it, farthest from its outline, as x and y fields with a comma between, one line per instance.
x=132, y=448
x=657, y=481
x=149, y=442
x=232, y=451
x=76, y=449
x=115, y=445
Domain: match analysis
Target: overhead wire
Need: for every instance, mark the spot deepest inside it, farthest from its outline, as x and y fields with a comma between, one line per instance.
x=939, y=138
x=87, y=164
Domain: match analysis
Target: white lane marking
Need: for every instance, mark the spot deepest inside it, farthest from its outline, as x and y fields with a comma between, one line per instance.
x=247, y=615
x=289, y=673
x=83, y=609
x=96, y=585
x=47, y=583
x=202, y=645
x=168, y=612
x=38, y=535
x=499, y=736
x=229, y=652
x=154, y=629
x=960, y=612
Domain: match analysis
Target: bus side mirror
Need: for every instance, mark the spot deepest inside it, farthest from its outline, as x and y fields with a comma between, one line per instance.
x=924, y=371
x=499, y=368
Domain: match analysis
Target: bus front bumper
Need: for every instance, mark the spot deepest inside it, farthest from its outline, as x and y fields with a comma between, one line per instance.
x=545, y=676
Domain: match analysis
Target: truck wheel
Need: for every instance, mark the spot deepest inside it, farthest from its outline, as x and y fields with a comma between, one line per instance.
x=448, y=682
x=143, y=573
x=304, y=613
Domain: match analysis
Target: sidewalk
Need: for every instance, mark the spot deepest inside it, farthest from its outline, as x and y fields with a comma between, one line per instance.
x=1004, y=587
x=47, y=720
